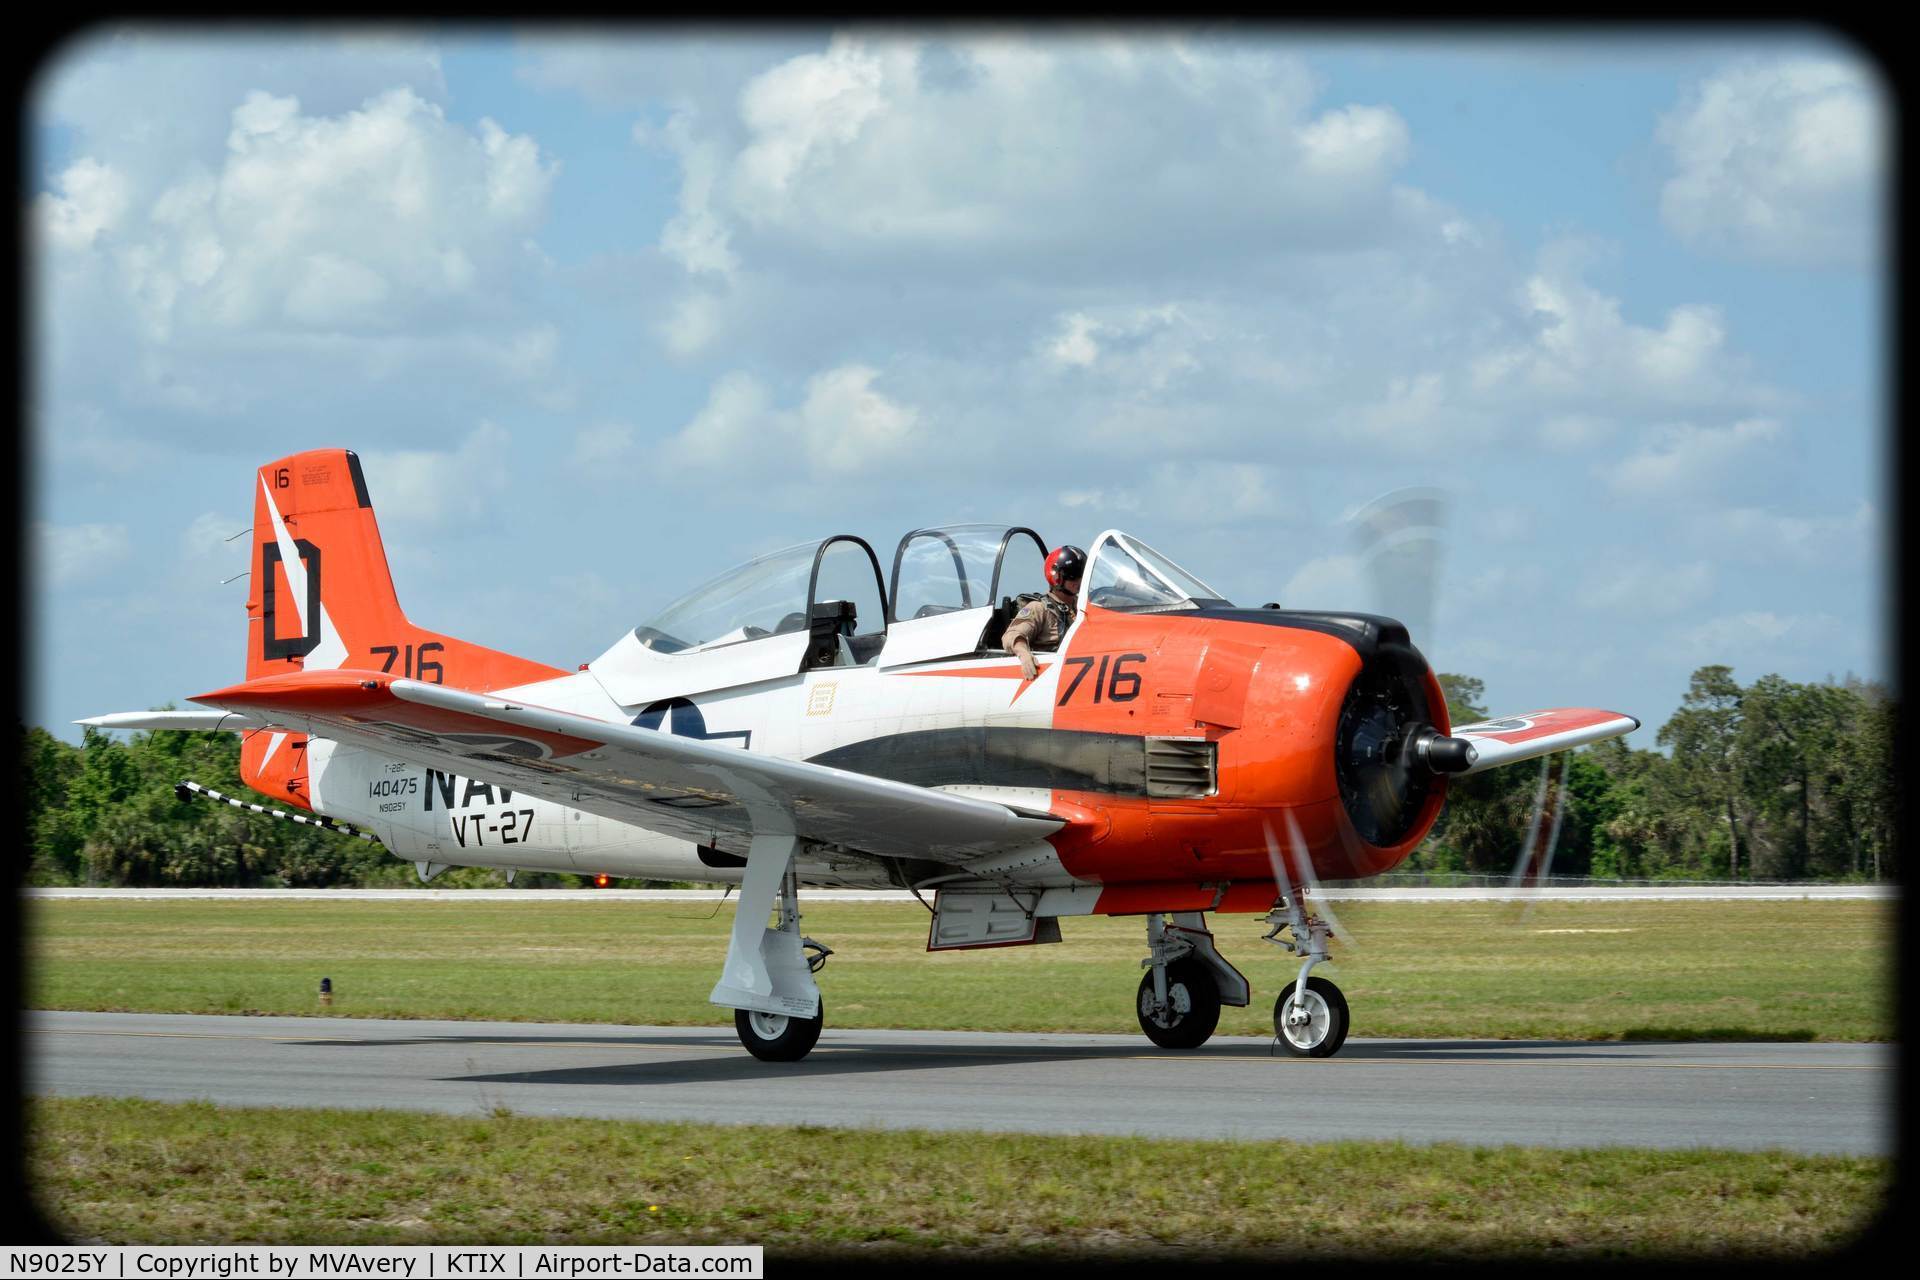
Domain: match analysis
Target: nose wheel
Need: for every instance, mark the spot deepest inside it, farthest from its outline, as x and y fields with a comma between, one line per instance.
x=1316, y=1025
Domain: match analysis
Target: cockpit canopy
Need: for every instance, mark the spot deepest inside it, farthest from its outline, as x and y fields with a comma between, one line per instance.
x=949, y=569
x=951, y=594
x=776, y=594
x=963, y=566
x=1127, y=574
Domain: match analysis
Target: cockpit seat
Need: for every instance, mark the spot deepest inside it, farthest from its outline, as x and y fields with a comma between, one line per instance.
x=997, y=624
x=831, y=630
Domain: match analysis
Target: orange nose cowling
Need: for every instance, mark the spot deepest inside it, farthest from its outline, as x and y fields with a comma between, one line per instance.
x=1270, y=698
x=1301, y=795
x=1287, y=763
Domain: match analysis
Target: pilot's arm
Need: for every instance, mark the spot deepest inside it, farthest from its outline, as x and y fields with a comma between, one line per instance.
x=1018, y=637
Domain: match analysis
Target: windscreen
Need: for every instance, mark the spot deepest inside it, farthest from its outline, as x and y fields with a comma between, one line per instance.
x=1128, y=574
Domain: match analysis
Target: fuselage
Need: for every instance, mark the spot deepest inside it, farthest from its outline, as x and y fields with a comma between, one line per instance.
x=1184, y=743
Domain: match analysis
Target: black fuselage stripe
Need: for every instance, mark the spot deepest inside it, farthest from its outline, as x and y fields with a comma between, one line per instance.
x=1049, y=759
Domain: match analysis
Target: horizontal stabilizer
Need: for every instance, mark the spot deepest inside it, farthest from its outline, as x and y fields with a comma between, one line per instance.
x=232, y=721
x=1511, y=739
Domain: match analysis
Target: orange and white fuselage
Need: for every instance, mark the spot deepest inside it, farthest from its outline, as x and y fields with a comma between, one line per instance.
x=1170, y=742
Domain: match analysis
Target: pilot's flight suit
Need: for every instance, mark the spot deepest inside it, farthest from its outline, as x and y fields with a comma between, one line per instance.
x=1040, y=623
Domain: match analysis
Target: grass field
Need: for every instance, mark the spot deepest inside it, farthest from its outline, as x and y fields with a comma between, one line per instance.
x=116, y=1171
x=1650, y=970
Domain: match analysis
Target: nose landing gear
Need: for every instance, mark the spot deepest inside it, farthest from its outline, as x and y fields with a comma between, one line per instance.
x=1310, y=1017
x=1314, y=1026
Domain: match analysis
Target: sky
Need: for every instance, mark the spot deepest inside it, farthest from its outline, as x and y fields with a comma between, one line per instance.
x=607, y=311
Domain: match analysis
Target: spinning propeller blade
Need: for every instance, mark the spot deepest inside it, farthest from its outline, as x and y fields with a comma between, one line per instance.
x=1400, y=540
x=1535, y=862
x=1298, y=843
x=1297, y=848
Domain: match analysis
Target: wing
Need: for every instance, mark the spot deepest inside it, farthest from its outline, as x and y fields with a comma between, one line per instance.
x=677, y=786
x=1513, y=738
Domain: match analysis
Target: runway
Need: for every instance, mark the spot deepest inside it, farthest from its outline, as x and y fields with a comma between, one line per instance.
x=1814, y=1098
x=1552, y=893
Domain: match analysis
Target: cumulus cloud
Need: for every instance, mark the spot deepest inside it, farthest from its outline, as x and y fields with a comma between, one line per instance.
x=441, y=486
x=1130, y=346
x=1761, y=638
x=1779, y=160
x=74, y=553
x=1768, y=536
x=92, y=199
x=990, y=146
x=292, y=246
x=1188, y=493
x=843, y=425
x=357, y=222
x=1583, y=351
x=1641, y=588
x=1683, y=456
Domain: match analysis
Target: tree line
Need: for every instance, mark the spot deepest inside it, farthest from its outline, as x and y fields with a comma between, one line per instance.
x=1771, y=781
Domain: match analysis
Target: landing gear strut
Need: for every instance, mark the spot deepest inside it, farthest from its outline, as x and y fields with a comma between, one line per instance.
x=768, y=977
x=1185, y=984
x=1310, y=1016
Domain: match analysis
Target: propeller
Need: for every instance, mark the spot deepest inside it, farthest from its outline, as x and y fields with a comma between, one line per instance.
x=1399, y=539
x=1535, y=863
x=1303, y=861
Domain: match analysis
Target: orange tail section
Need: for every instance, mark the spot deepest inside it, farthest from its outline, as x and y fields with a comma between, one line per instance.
x=322, y=599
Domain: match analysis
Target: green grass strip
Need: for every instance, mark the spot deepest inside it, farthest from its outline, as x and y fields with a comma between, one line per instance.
x=1557, y=970
x=133, y=1171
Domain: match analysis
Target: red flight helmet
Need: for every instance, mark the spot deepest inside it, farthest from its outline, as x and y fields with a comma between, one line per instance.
x=1064, y=565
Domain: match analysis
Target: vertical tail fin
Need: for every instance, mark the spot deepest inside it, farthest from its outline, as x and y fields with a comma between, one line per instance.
x=322, y=598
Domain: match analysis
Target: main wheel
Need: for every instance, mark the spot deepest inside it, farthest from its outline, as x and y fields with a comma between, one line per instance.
x=778, y=1037
x=1193, y=1011
x=1325, y=1029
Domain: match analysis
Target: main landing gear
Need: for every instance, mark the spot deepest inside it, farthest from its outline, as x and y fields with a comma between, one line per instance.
x=778, y=1037
x=768, y=978
x=1187, y=982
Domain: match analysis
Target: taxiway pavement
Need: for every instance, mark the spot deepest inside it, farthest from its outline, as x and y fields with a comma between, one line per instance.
x=1831, y=1098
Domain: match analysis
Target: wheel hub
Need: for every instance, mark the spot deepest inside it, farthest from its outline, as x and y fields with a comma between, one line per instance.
x=768, y=1026
x=1308, y=1020
x=1178, y=1005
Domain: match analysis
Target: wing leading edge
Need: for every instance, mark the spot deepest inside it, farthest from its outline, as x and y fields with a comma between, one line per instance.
x=677, y=786
x=1510, y=739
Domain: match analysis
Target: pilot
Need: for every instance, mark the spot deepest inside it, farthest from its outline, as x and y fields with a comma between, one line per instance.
x=1040, y=623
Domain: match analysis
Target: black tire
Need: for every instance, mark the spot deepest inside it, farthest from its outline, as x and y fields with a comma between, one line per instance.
x=779, y=1037
x=1187, y=980
x=1330, y=1021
